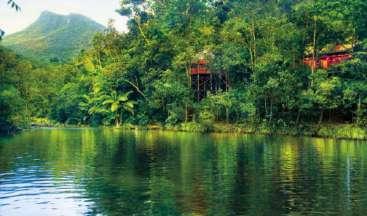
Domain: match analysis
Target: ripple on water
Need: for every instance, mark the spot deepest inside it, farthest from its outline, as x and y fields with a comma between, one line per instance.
x=63, y=172
x=40, y=194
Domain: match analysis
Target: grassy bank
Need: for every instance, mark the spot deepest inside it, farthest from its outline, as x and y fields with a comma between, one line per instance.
x=327, y=130
x=337, y=131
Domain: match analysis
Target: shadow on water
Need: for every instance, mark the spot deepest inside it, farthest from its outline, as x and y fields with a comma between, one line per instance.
x=115, y=172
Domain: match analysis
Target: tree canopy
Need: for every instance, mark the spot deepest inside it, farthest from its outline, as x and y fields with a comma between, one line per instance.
x=143, y=76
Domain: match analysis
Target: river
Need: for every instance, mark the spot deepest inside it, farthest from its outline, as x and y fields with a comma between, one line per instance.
x=115, y=172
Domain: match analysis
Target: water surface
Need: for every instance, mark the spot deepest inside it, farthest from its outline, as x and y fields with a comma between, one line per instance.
x=113, y=172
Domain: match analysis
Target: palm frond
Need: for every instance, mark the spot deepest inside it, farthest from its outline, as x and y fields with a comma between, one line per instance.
x=109, y=101
x=14, y=5
x=86, y=97
x=124, y=97
x=97, y=110
x=129, y=106
x=115, y=106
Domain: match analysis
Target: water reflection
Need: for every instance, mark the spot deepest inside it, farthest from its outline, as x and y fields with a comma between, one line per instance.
x=114, y=172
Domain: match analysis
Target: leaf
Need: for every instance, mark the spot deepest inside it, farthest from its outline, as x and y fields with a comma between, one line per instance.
x=95, y=110
x=2, y=33
x=87, y=98
x=115, y=106
x=129, y=106
x=14, y=5
x=124, y=11
x=106, y=102
x=124, y=97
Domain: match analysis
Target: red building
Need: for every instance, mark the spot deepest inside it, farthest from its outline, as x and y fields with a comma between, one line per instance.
x=327, y=60
x=333, y=59
x=203, y=80
x=200, y=68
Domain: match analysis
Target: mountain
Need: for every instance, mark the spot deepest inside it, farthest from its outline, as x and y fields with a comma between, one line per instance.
x=54, y=37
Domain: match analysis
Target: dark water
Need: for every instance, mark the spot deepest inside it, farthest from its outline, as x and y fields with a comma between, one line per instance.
x=111, y=172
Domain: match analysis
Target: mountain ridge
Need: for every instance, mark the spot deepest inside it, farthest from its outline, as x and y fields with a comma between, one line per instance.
x=54, y=36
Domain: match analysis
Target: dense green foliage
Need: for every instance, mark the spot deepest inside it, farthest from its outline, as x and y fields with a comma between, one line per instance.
x=142, y=76
x=26, y=90
x=54, y=37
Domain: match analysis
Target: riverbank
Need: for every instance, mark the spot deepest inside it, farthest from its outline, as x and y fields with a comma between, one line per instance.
x=326, y=130
x=336, y=131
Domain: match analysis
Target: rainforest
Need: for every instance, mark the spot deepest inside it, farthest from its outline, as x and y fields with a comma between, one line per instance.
x=294, y=67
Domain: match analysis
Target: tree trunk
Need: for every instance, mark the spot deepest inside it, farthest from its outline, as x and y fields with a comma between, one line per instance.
x=118, y=120
x=198, y=86
x=266, y=108
x=138, y=22
x=254, y=43
x=298, y=116
x=314, y=53
x=321, y=117
x=354, y=39
x=186, y=113
x=359, y=106
x=227, y=80
x=136, y=88
x=271, y=110
x=227, y=115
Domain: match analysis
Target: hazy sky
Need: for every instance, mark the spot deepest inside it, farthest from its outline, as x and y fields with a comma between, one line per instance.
x=99, y=10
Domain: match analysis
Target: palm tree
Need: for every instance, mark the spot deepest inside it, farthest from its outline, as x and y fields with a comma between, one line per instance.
x=93, y=106
x=117, y=104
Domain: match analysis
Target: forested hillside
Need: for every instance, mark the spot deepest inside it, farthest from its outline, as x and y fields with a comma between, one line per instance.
x=54, y=37
x=143, y=76
x=26, y=90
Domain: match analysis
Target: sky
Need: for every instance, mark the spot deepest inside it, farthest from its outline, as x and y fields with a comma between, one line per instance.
x=98, y=10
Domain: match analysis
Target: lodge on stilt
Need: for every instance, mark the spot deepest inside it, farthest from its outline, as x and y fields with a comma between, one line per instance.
x=328, y=59
x=203, y=80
